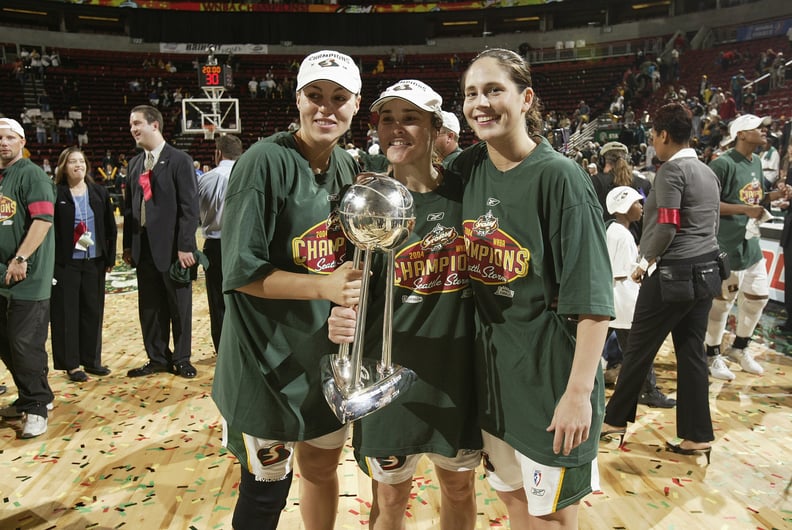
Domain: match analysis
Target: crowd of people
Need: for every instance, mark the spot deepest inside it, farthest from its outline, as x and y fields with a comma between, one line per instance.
x=543, y=251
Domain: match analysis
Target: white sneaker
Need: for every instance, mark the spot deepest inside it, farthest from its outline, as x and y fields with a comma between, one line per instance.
x=746, y=360
x=35, y=425
x=718, y=368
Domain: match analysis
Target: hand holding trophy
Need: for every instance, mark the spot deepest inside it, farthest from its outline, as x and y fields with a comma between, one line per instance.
x=376, y=215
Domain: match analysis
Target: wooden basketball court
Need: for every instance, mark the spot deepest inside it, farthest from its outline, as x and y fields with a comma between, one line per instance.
x=146, y=453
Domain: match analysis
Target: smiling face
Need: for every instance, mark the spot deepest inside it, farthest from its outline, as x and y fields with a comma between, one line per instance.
x=75, y=168
x=495, y=107
x=406, y=132
x=147, y=135
x=326, y=111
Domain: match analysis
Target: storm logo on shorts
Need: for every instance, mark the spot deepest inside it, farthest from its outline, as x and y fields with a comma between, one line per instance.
x=272, y=455
x=752, y=192
x=436, y=264
x=389, y=463
x=321, y=248
x=7, y=208
x=494, y=257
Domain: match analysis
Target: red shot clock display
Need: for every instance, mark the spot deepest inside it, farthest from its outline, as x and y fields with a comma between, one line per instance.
x=215, y=76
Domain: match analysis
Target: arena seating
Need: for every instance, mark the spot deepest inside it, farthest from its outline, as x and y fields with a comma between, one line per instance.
x=104, y=96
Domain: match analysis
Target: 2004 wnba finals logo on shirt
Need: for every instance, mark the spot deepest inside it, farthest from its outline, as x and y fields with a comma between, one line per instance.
x=435, y=264
x=321, y=248
x=494, y=257
x=7, y=207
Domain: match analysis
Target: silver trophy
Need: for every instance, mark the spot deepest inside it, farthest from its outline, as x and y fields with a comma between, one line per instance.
x=376, y=214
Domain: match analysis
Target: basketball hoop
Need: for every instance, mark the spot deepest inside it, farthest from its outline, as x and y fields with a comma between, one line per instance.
x=209, y=131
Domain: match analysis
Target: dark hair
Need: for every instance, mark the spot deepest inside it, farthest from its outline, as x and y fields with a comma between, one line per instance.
x=60, y=169
x=150, y=114
x=519, y=72
x=675, y=119
x=229, y=145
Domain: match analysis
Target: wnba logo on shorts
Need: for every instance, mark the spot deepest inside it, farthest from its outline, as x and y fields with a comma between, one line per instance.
x=537, y=479
x=272, y=455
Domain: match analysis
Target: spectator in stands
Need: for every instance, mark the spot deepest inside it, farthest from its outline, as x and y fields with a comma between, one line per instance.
x=778, y=71
x=267, y=380
x=108, y=159
x=748, y=99
x=82, y=133
x=85, y=249
x=559, y=211
x=41, y=131
x=211, y=196
x=253, y=87
x=697, y=115
x=447, y=142
x=742, y=201
x=737, y=82
x=617, y=172
x=45, y=165
x=771, y=161
x=728, y=108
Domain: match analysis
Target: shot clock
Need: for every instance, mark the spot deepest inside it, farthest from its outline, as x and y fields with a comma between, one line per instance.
x=215, y=76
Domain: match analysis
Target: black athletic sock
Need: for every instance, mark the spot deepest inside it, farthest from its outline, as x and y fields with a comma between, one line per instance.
x=740, y=342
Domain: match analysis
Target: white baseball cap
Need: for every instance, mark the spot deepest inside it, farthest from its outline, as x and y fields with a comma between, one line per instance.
x=621, y=198
x=412, y=91
x=613, y=146
x=746, y=122
x=9, y=123
x=451, y=122
x=329, y=65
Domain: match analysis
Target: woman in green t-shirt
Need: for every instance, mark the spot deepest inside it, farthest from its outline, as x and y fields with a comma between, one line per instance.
x=432, y=328
x=540, y=273
x=283, y=265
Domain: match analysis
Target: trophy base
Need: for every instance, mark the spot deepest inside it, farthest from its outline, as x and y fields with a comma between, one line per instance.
x=378, y=386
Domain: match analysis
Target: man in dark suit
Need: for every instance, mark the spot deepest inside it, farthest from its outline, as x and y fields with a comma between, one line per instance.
x=160, y=221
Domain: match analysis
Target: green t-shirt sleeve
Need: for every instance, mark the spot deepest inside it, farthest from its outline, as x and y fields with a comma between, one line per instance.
x=580, y=249
x=256, y=190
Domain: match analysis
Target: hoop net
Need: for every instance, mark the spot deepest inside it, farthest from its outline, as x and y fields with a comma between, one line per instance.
x=209, y=131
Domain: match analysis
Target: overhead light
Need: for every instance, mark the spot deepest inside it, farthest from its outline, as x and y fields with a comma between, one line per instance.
x=101, y=19
x=522, y=19
x=651, y=4
x=461, y=23
x=24, y=11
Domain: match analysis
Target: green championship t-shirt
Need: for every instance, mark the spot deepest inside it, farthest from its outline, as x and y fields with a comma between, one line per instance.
x=278, y=215
x=537, y=258
x=741, y=183
x=27, y=193
x=433, y=333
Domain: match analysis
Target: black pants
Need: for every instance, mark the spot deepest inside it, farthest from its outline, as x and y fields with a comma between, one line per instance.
x=788, y=282
x=622, y=338
x=214, y=288
x=652, y=322
x=76, y=313
x=23, y=334
x=260, y=503
x=163, y=304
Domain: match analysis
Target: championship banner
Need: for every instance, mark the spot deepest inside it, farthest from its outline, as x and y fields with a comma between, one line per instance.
x=225, y=7
x=220, y=49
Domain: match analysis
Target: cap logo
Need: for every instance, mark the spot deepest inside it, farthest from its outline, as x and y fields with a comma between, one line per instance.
x=401, y=87
x=327, y=63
